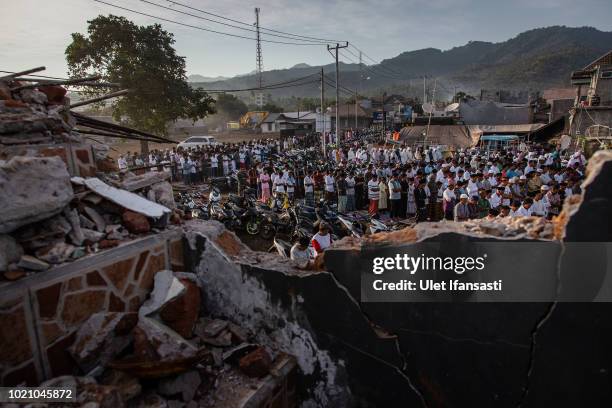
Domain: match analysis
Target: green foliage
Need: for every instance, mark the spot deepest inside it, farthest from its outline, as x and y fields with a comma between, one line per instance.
x=230, y=106
x=142, y=59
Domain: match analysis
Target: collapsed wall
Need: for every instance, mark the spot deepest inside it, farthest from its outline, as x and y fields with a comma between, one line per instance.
x=417, y=354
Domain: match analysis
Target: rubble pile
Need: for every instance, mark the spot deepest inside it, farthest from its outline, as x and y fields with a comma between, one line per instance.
x=166, y=354
x=516, y=227
x=31, y=115
x=49, y=218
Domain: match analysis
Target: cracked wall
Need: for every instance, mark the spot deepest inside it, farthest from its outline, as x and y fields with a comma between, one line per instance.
x=421, y=354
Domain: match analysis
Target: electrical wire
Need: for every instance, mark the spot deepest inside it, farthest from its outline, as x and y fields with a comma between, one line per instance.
x=371, y=71
x=373, y=60
x=227, y=24
x=326, y=40
x=201, y=28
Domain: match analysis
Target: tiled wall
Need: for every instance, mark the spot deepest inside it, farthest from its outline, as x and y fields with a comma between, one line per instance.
x=40, y=314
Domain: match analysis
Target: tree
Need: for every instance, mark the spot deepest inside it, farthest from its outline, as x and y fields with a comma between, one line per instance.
x=231, y=106
x=142, y=59
x=460, y=96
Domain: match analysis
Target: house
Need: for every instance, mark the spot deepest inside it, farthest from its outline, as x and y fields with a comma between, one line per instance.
x=277, y=122
x=559, y=101
x=351, y=117
x=473, y=112
x=268, y=125
x=591, y=115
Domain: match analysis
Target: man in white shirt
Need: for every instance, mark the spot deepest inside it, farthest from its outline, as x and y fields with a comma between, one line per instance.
x=309, y=189
x=525, y=209
x=321, y=240
x=122, y=163
x=373, y=195
x=496, y=198
x=329, y=186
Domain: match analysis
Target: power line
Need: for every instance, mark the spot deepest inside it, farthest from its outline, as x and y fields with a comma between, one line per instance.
x=225, y=24
x=201, y=28
x=370, y=70
x=278, y=85
x=375, y=62
x=325, y=40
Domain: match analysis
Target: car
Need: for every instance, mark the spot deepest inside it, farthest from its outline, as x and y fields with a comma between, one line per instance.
x=195, y=141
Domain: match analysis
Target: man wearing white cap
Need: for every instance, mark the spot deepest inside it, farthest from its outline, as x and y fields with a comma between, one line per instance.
x=462, y=209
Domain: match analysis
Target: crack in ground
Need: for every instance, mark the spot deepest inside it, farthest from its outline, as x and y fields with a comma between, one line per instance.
x=385, y=362
x=397, y=344
x=539, y=324
x=467, y=339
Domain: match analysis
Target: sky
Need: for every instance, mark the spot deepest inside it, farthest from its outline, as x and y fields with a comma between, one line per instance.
x=36, y=32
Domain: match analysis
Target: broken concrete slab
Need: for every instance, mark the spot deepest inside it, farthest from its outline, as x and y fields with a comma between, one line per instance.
x=101, y=338
x=163, y=194
x=133, y=182
x=43, y=186
x=75, y=234
x=166, y=288
x=181, y=312
x=96, y=218
x=154, y=341
x=91, y=235
x=33, y=264
x=126, y=199
x=10, y=251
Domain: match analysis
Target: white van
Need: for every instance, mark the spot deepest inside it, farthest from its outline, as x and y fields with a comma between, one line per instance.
x=195, y=141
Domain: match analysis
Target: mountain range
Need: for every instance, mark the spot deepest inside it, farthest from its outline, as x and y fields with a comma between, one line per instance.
x=533, y=60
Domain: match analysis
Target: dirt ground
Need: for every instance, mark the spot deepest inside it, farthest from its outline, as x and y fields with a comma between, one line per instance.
x=121, y=146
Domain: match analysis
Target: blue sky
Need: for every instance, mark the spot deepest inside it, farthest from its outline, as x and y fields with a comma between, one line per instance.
x=36, y=32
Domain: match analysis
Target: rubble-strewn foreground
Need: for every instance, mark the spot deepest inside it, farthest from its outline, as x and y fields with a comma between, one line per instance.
x=187, y=316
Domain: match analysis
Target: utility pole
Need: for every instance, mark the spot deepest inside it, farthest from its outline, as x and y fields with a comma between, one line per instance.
x=323, y=113
x=259, y=61
x=336, y=48
x=384, y=116
x=424, y=88
x=433, y=103
x=355, y=110
x=360, y=73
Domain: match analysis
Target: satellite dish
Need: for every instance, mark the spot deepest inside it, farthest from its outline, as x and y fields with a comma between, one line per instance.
x=565, y=142
x=428, y=108
x=451, y=107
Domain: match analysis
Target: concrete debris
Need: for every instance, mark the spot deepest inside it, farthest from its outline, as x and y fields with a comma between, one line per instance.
x=96, y=218
x=165, y=289
x=32, y=263
x=257, y=363
x=163, y=194
x=44, y=190
x=101, y=338
x=88, y=391
x=10, y=251
x=155, y=341
x=58, y=219
x=133, y=182
x=136, y=223
x=212, y=328
x=181, y=312
x=129, y=386
x=56, y=254
x=126, y=199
